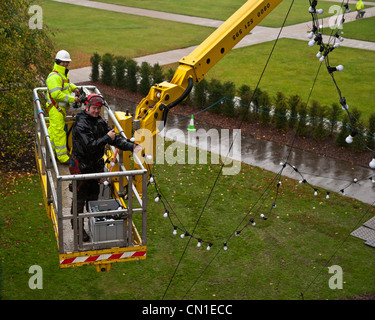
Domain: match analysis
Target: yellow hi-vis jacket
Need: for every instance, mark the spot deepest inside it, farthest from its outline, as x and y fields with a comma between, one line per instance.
x=359, y=5
x=58, y=99
x=59, y=89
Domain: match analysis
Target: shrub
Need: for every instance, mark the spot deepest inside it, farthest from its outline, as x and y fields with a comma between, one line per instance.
x=319, y=130
x=131, y=75
x=200, y=94
x=265, y=101
x=157, y=74
x=120, y=63
x=168, y=74
x=27, y=57
x=145, y=83
x=254, y=112
x=95, y=61
x=244, y=93
x=215, y=93
x=294, y=102
x=280, y=120
x=302, y=129
x=313, y=114
x=316, y=118
x=334, y=117
x=229, y=91
x=358, y=143
x=107, y=67
x=343, y=133
x=371, y=131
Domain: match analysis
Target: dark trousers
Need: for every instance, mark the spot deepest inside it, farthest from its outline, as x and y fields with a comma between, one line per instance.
x=87, y=190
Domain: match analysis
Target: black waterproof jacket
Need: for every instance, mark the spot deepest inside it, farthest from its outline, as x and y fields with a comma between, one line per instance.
x=89, y=136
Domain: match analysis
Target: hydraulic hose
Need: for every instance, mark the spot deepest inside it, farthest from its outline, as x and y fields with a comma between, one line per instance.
x=178, y=100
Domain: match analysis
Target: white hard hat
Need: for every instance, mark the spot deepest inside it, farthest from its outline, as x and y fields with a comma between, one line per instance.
x=63, y=55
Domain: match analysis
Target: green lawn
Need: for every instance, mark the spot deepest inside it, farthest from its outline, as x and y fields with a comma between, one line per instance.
x=223, y=9
x=292, y=70
x=362, y=29
x=83, y=31
x=279, y=258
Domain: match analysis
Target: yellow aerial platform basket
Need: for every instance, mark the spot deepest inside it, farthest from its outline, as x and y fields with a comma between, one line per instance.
x=129, y=243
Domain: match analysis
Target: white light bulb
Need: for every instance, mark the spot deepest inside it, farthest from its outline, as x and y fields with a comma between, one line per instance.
x=157, y=199
x=310, y=35
x=152, y=179
x=174, y=231
x=340, y=67
x=341, y=39
x=336, y=45
x=372, y=164
x=327, y=196
x=199, y=244
x=182, y=235
x=225, y=247
x=112, y=164
x=311, y=10
x=355, y=180
x=149, y=157
x=165, y=215
x=349, y=139
x=132, y=139
x=311, y=43
x=373, y=180
x=106, y=183
x=320, y=11
x=321, y=59
x=346, y=107
x=209, y=248
x=315, y=193
x=319, y=54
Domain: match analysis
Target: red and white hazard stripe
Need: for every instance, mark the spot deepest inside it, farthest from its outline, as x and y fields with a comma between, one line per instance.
x=106, y=257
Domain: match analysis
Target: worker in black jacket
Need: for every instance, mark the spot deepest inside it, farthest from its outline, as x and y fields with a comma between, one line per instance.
x=90, y=134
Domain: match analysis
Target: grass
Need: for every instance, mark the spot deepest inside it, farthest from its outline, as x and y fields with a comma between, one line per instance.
x=279, y=258
x=292, y=71
x=361, y=29
x=85, y=30
x=223, y=9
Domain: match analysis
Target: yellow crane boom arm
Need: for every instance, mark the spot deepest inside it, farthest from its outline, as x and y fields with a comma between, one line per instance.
x=230, y=33
x=164, y=96
x=202, y=59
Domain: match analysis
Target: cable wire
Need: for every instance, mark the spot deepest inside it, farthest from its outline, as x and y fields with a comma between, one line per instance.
x=218, y=175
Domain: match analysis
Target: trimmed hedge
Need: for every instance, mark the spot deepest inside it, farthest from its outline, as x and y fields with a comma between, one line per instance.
x=314, y=120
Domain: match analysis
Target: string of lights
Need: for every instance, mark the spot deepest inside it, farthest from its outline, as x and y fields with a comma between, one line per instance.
x=184, y=232
x=250, y=219
x=316, y=36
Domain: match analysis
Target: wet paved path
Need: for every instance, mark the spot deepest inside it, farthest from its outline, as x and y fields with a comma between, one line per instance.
x=330, y=174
